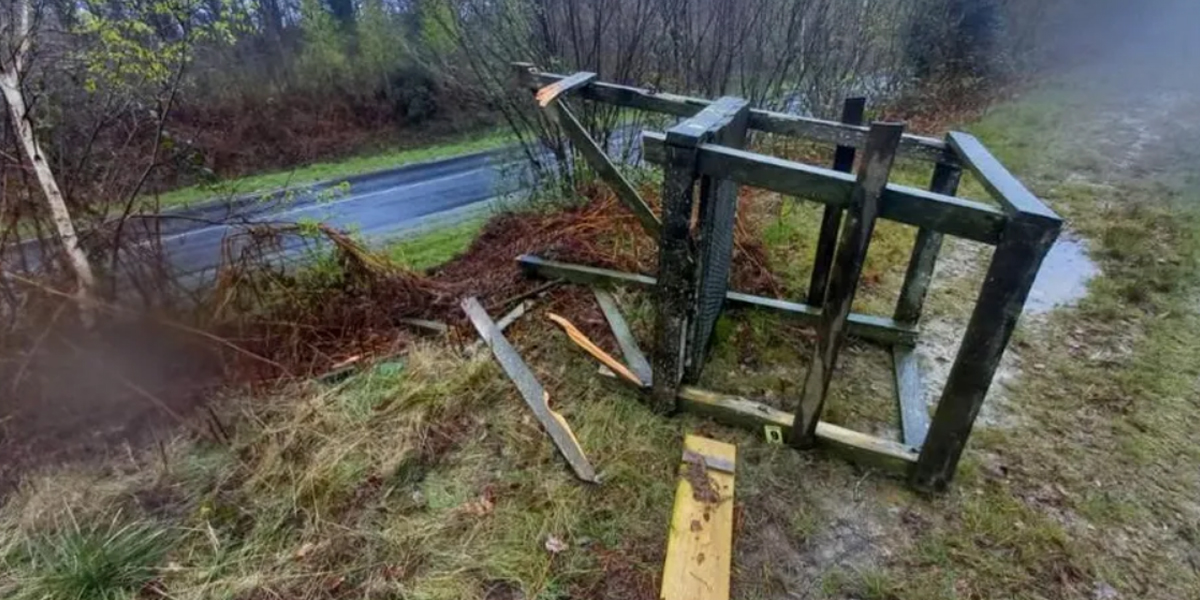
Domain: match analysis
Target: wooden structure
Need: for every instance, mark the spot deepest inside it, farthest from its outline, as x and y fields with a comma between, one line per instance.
x=703, y=156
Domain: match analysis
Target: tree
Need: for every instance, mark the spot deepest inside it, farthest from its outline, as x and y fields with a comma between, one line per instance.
x=17, y=41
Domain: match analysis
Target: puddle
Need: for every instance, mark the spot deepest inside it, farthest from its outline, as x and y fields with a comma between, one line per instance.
x=1064, y=277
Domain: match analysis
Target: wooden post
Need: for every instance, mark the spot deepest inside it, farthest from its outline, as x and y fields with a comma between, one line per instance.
x=1010, y=276
x=676, y=268
x=925, y=252
x=671, y=294
x=831, y=220
x=882, y=143
x=718, y=217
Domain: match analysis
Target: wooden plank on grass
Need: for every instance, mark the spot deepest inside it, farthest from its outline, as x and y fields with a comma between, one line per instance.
x=867, y=327
x=620, y=328
x=604, y=167
x=910, y=396
x=700, y=543
x=536, y=397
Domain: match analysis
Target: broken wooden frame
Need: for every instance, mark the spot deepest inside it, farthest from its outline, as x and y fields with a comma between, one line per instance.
x=704, y=148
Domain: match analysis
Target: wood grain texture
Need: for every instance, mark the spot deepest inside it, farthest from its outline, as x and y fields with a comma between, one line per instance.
x=597, y=352
x=620, y=327
x=910, y=396
x=947, y=214
x=831, y=219
x=550, y=93
x=857, y=230
x=700, y=543
x=535, y=396
x=867, y=327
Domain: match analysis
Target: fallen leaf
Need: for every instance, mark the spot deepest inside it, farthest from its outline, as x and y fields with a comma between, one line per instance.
x=555, y=545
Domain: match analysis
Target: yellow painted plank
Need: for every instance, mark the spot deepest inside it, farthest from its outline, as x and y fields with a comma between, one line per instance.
x=700, y=544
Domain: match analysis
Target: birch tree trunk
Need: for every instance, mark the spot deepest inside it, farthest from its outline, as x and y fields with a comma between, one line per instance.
x=11, y=68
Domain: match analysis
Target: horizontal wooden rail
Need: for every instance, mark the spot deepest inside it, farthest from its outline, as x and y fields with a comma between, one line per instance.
x=867, y=327
x=911, y=146
x=998, y=181
x=938, y=212
x=741, y=412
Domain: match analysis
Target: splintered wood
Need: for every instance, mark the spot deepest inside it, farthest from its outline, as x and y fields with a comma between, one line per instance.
x=700, y=546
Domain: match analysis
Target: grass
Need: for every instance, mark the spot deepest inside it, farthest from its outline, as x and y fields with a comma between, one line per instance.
x=435, y=247
x=430, y=480
x=334, y=170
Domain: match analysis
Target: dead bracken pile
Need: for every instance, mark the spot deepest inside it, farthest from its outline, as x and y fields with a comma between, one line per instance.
x=263, y=326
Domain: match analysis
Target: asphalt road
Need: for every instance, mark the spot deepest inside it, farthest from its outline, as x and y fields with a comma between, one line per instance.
x=381, y=206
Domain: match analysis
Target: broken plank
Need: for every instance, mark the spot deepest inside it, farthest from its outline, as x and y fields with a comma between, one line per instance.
x=620, y=328
x=914, y=417
x=700, y=543
x=598, y=353
x=604, y=167
x=531, y=389
x=548, y=94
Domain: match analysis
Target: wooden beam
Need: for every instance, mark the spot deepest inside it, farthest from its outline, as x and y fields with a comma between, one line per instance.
x=1010, y=276
x=550, y=93
x=831, y=220
x=700, y=542
x=620, y=328
x=911, y=146
x=725, y=122
x=536, y=397
x=737, y=411
x=861, y=215
x=947, y=214
x=867, y=327
x=910, y=396
x=998, y=181
x=604, y=167
x=926, y=248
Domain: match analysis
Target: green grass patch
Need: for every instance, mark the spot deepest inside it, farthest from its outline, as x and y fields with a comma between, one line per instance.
x=333, y=170
x=435, y=247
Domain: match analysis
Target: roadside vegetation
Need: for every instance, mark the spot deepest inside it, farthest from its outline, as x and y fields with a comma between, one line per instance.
x=422, y=477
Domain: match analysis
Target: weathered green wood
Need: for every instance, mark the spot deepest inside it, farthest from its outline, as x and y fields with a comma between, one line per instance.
x=831, y=219
x=946, y=214
x=629, y=347
x=550, y=93
x=737, y=411
x=531, y=389
x=861, y=215
x=604, y=167
x=910, y=396
x=867, y=327
x=673, y=292
x=725, y=121
x=925, y=253
x=911, y=146
x=999, y=182
x=1009, y=278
